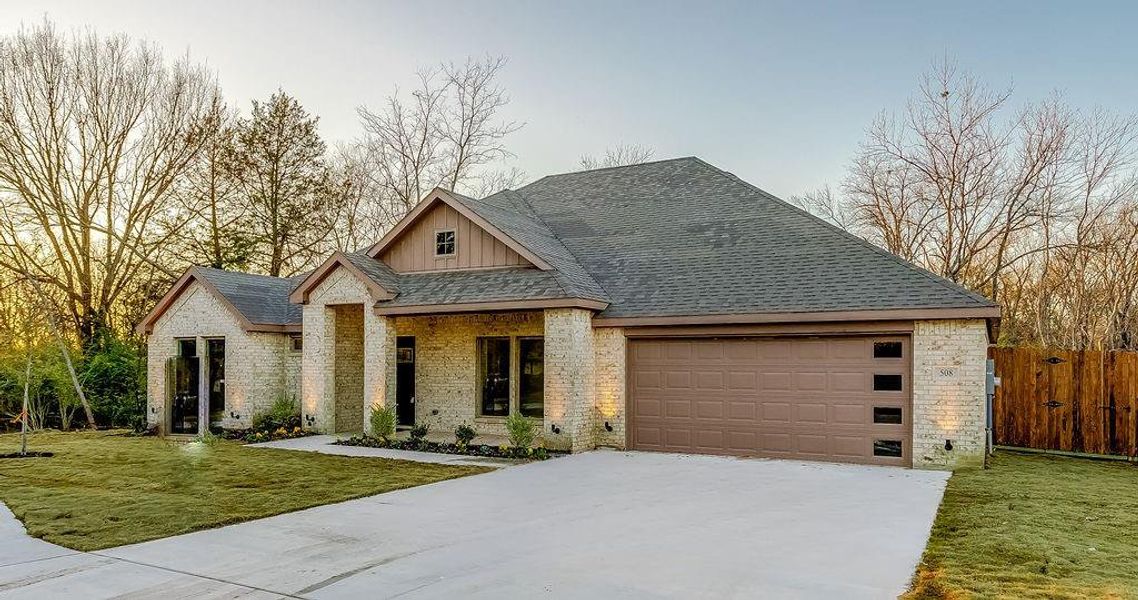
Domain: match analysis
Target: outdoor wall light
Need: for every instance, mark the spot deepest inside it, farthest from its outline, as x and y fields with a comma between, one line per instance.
x=948, y=445
x=555, y=428
x=608, y=426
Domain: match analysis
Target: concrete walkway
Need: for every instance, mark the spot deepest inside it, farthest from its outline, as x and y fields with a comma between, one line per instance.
x=594, y=525
x=324, y=444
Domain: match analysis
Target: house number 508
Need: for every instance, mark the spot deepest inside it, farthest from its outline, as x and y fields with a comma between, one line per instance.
x=947, y=372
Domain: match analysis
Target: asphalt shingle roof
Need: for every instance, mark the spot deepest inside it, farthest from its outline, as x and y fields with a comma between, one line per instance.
x=670, y=238
x=681, y=237
x=260, y=298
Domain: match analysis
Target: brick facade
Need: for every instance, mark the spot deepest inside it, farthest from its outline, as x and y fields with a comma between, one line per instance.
x=446, y=365
x=349, y=356
x=570, y=378
x=259, y=367
x=948, y=392
x=611, y=350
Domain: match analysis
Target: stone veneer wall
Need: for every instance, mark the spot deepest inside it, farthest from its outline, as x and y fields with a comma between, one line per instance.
x=256, y=364
x=611, y=348
x=948, y=392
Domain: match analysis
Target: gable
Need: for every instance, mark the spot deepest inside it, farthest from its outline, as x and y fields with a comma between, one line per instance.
x=475, y=248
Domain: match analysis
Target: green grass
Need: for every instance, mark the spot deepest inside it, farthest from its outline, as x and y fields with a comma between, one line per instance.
x=1035, y=526
x=108, y=489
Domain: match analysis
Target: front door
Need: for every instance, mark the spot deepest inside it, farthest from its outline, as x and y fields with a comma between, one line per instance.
x=405, y=380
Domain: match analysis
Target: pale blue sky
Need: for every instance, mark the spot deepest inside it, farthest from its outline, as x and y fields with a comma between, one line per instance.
x=779, y=93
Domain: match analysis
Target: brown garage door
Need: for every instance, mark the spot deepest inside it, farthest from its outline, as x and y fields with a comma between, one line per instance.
x=832, y=398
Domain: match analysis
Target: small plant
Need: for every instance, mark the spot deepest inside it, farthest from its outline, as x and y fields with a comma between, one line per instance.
x=285, y=412
x=383, y=422
x=521, y=431
x=464, y=434
x=419, y=434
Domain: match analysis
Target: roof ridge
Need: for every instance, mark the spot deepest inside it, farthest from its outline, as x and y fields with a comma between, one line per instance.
x=599, y=169
x=942, y=281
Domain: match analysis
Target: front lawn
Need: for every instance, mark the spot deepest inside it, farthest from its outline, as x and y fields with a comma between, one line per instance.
x=1035, y=526
x=107, y=489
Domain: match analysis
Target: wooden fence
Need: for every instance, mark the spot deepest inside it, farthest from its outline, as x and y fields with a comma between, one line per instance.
x=1066, y=400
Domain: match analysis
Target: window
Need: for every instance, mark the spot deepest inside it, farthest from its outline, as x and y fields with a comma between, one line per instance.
x=886, y=349
x=886, y=383
x=889, y=415
x=296, y=342
x=444, y=243
x=887, y=448
x=494, y=374
x=188, y=347
x=531, y=380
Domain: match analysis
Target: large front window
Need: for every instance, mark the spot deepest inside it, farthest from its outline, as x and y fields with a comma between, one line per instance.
x=502, y=361
x=494, y=372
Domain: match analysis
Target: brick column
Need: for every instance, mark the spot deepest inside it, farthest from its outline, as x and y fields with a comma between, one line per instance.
x=570, y=378
x=379, y=363
x=318, y=369
x=948, y=392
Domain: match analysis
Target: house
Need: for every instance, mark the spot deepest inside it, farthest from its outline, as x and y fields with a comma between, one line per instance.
x=665, y=306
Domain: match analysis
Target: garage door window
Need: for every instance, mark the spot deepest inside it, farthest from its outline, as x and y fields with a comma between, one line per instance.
x=887, y=448
x=886, y=383
x=887, y=350
x=887, y=415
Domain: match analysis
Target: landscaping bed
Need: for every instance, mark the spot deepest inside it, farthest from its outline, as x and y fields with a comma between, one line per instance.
x=1034, y=526
x=420, y=445
x=104, y=489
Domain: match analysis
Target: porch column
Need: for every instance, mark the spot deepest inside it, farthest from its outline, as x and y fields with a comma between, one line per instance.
x=570, y=376
x=379, y=363
x=318, y=369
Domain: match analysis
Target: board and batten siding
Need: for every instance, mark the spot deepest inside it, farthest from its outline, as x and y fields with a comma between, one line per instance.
x=475, y=248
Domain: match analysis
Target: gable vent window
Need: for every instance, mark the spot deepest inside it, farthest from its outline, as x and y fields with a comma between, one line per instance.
x=444, y=243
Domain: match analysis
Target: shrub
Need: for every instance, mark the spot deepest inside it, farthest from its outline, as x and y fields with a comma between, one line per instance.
x=419, y=432
x=113, y=372
x=383, y=422
x=464, y=434
x=521, y=431
x=284, y=413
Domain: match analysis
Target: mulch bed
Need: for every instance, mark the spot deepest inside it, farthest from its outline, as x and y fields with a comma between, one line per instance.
x=27, y=455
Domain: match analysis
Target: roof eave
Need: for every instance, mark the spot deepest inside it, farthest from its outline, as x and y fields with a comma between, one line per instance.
x=491, y=306
x=894, y=314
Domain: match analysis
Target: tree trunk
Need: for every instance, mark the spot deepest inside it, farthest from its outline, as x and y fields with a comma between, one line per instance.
x=24, y=412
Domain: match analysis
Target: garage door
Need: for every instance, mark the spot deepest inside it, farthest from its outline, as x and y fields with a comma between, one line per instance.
x=841, y=399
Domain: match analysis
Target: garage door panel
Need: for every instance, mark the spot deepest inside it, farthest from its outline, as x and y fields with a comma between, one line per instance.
x=810, y=413
x=742, y=380
x=678, y=408
x=780, y=397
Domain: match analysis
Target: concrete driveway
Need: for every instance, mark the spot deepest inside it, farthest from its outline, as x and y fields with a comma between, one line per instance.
x=595, y=525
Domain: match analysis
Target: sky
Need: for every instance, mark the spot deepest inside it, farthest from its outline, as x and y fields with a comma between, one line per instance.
x=779, y=93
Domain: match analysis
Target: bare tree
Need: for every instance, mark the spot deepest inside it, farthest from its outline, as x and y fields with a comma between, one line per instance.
x=618, y=156
x=96, y=135
x=443, y=134
x=1029, y=208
